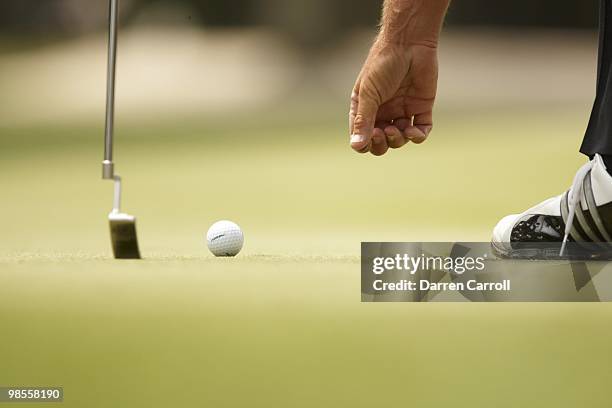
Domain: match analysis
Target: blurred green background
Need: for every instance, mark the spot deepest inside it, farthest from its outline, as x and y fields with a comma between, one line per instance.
x=228, y=112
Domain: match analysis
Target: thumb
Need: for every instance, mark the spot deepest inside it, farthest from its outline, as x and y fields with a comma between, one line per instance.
x=363, y=123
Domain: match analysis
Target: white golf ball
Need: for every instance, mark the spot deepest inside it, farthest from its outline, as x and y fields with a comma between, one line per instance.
x=225, y=238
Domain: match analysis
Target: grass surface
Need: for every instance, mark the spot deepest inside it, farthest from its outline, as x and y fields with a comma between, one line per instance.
x=294, y=187
x=282, y=324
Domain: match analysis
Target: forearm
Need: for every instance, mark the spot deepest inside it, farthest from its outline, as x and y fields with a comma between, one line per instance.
x=407, y=22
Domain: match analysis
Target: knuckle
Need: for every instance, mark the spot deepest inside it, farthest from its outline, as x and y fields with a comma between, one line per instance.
x=360, y=121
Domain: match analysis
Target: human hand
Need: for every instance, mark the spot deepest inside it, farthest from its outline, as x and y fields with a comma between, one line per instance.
x=393, y=98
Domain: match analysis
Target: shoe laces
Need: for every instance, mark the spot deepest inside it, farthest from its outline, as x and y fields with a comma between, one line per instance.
x=574, y=201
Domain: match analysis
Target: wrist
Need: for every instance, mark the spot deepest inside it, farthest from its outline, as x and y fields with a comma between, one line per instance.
x=406, y=41
x=412, y=22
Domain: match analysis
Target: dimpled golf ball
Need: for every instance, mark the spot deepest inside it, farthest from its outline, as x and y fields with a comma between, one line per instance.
x=224, y=238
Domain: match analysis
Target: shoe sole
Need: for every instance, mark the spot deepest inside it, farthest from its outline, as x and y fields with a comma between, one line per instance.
x=577, y=252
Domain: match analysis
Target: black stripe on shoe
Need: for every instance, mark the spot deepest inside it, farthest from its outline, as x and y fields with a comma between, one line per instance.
x=585, y=220
x=577, y=233
x=587, y=188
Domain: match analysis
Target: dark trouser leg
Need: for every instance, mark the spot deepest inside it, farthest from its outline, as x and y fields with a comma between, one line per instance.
x=598, y=137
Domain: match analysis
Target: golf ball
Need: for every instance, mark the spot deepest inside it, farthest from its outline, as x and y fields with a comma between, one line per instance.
x=224, y=238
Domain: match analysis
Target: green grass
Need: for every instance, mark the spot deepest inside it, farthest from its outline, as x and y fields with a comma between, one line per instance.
x=294, y=187
x=281, y=325
x=285, y=332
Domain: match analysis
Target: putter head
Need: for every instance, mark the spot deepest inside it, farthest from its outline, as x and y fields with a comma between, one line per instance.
x=123, y=236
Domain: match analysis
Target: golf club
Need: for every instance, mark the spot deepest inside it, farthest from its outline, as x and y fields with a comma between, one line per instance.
x=122, y=226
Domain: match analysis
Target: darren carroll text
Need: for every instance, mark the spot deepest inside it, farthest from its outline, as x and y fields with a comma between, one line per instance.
x=405, y=285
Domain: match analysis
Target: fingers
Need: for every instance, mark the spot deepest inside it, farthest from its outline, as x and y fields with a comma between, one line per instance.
x=395, y=138
x=377, y=137
x=416, y=130
x=421, y=128
x=362, y=118
x=379, y=142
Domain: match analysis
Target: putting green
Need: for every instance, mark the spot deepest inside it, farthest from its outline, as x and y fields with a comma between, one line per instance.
x=282, y=324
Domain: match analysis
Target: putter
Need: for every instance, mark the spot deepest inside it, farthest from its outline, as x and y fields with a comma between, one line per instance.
x=122, y=226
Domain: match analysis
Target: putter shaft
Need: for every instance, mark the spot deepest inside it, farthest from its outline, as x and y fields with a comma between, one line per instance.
x=108, y=171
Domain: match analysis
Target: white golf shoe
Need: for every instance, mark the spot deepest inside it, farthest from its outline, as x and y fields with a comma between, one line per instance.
x=583, y=215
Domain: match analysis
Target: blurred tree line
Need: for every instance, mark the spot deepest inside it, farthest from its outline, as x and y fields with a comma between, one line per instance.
x=307, y=22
